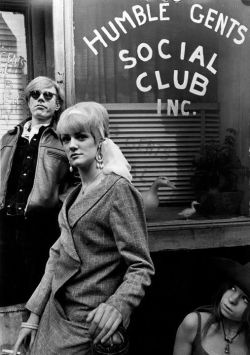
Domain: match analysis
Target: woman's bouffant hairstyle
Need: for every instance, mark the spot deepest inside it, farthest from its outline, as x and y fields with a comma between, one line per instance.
x=87, y=116
x=43, y=82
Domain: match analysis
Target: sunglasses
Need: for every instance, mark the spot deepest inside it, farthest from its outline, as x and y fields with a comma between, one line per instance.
x=46, y=94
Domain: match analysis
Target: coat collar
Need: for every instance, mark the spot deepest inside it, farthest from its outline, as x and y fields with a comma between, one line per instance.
x=89, y=201
x=19, y=127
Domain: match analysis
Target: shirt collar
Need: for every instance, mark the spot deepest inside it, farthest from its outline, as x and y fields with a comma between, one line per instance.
x=29, y=132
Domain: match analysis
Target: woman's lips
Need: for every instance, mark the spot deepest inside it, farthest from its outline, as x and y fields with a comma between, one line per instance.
x=228, y=309
x=72, y=156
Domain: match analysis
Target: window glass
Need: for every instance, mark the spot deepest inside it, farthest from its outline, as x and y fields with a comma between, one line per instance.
x=131, y=52
x=13, y=69
x=175, y=79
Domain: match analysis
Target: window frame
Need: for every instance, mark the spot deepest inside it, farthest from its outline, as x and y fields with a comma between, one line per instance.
x=23, y=7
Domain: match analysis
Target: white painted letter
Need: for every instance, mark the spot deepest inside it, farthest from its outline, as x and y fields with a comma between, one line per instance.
x=202, y=83
x=159, y=82
x=210, y=18
x=158, y=106
x=95, y=39
x=138, y=83
x=240, y=29
x=198, y=54
x=148, y=48
x=139, y=14
x=161, y=54
x=200, y=18
x=173, y=106
x=183, y=112
x=117, y=34
x=122, y=54
x=183, y=50
x=125, y=16
x=210, y=64
x=150, y=18
x=162, y=9
x=234, y=22
x=185, y=80
x=221, y=24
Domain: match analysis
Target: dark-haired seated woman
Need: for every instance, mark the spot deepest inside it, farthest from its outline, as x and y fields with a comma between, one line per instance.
x=223, y=328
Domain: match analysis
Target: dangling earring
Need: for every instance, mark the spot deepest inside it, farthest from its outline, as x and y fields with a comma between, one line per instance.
x=71, y=169
x=99, y=157
x=57, y=105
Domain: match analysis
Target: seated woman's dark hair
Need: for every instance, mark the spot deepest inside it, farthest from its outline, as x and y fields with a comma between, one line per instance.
x=215, y=314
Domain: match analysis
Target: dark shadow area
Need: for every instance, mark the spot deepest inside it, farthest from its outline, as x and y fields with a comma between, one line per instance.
x=184, y=280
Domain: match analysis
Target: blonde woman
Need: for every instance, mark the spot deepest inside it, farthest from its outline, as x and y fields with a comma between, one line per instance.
x=100, y=266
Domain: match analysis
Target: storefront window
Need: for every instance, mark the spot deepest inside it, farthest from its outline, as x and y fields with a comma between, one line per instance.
x=174, y=77
x=13, y=69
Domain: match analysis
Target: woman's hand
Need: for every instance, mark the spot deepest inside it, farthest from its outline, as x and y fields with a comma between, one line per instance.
x=27, y=335
x=22, y=339
x=104, y=320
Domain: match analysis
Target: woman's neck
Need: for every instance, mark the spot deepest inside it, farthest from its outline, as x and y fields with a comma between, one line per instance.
x=88, y=176
x=231, y=326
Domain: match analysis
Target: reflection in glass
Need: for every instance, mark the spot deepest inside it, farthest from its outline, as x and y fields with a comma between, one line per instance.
x=13, y=69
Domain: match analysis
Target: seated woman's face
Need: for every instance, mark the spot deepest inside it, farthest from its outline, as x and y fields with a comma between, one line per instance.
x=233, y=303
x=80, y=148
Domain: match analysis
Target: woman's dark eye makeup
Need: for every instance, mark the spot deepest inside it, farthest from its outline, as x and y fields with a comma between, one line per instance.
x=81, y=135
x=245, y=299
x=65, y=138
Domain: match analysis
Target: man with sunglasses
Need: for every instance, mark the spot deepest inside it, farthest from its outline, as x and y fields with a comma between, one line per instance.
x=34, y=172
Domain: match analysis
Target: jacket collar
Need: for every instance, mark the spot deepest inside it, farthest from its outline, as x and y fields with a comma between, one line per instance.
x=90, y=200
x=19, y=127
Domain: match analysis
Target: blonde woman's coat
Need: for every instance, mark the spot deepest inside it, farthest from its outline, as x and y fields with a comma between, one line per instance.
x=102, y=255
